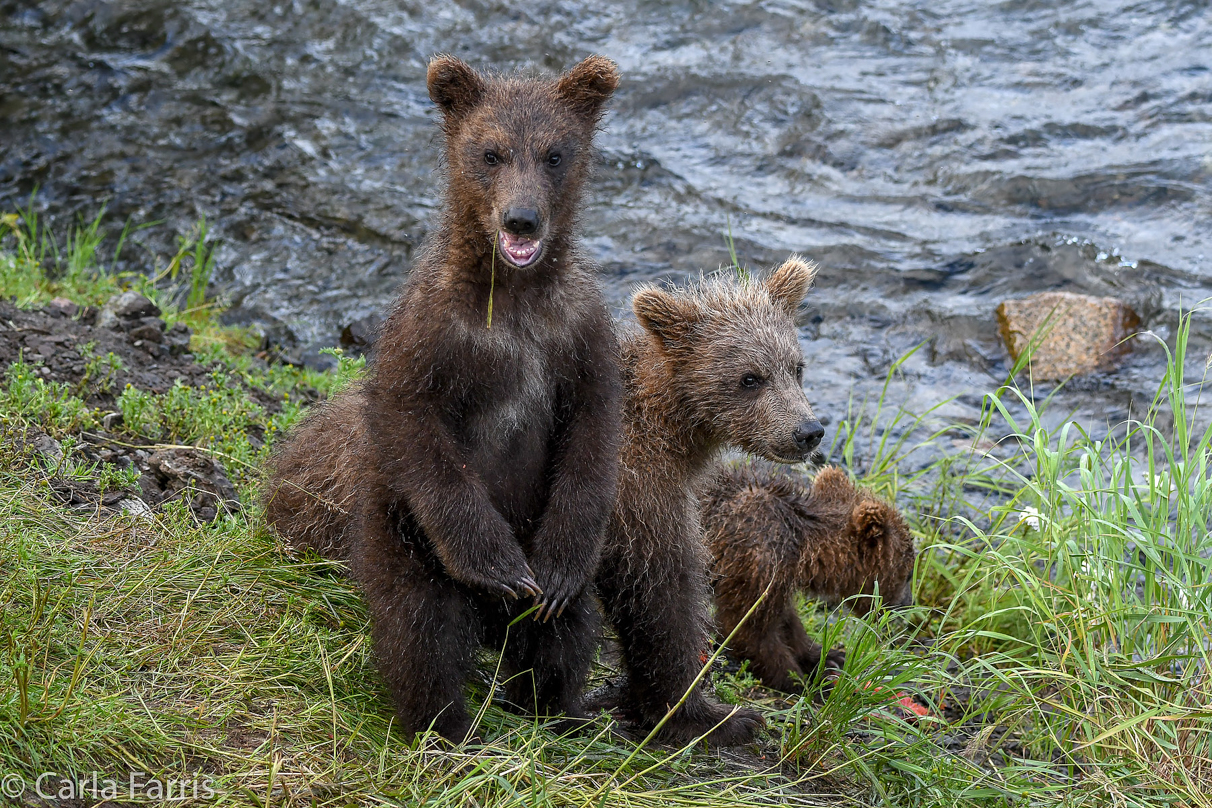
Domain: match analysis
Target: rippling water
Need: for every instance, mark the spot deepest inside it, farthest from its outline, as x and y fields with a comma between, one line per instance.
x=935, y=157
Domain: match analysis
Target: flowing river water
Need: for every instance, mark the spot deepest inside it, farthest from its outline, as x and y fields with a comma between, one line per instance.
x=934, y=157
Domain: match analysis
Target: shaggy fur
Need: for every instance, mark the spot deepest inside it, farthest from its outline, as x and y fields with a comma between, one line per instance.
x=481, y=460
x=830, y=540
x=312, y=493
x=717, y=365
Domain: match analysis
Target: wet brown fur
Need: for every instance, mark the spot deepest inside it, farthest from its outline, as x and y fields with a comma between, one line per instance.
x=830, y=540
x=313, y=503
x=480, y=462
x=683, y=402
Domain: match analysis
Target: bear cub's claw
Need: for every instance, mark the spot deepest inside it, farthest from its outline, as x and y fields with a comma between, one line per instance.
x=557, y=593
x=518, y=582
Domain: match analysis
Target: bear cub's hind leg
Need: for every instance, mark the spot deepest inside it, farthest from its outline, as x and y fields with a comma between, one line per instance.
x=549, y=661
x=425, y=627
x=807, y=651
x=662, y=631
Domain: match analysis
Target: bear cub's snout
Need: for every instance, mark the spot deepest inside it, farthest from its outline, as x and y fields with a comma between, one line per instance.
x=808, y=436
x=521, y=221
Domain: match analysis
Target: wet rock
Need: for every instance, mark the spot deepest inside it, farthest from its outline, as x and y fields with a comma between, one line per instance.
x=1081, y=334
x=63, y=307
x=177, y=339
x=361, y=334
x=190, y=473
x=148, y=329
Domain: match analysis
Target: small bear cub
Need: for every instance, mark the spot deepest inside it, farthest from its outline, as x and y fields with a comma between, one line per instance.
x=716, y=365
x=472, y=473
x=830, y=540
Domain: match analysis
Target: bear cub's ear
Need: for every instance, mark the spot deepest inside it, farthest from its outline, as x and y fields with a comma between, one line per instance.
x=832, y=484
x=588, y=85
x=668, y=317
x=788, y=284
x=869, y=523
x=454, y=86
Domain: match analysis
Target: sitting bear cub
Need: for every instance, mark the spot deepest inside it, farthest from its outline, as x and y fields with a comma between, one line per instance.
x=830, y=540
x=472, y=473
x=716, y=365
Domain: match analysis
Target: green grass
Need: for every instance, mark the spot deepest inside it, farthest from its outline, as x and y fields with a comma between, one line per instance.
x=1070, y=646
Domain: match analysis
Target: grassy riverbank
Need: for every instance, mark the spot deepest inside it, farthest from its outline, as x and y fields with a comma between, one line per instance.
x=1062, y=637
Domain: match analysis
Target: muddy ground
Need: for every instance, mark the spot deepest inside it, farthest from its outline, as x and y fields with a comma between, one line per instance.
x=67, y=344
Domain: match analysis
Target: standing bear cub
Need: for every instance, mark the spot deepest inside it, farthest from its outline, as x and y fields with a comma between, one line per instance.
x=476, y=465
x=830, y=540
x=716, y=365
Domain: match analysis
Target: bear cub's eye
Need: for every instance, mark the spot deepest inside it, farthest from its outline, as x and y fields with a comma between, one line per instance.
x=491, y=157
x=751, y=381
x=553, y=160
x=799, y=373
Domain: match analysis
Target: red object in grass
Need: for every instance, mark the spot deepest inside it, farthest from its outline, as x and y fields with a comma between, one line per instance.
x=910, y=705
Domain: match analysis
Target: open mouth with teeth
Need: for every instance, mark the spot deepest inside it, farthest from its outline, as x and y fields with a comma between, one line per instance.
x=519, y=250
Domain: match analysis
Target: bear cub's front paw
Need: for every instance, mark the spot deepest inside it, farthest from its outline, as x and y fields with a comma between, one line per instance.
x=559, y=590
x=510, y=578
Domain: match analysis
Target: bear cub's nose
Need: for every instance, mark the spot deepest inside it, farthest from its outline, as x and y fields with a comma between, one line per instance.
x=808, y=434
x=521, y=221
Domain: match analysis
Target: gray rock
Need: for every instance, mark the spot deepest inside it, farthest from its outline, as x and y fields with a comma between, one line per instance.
x=177, y=339
x=360, y=335
x=107, y=319
x=136, y=508
x=148, y=329
x=48, y=447
x=63, y=306
x=111, y=421
x=153, y=349
x=188, y=472
x=292, y=358
x=132, y=305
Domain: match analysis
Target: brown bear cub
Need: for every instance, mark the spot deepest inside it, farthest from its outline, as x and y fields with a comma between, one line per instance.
x=475, y=467
x=316, y=474
x=716, y=365
x=829, y=539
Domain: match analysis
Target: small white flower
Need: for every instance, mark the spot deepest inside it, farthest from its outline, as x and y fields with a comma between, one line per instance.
x=1161, y=482
x=1031, y=516
x=1182, y=597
